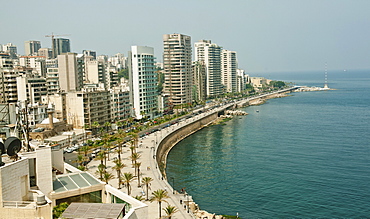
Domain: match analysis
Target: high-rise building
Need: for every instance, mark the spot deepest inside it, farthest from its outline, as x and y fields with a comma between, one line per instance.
x=143, y=81
x=89, y=53
x=241, y=80
x=46, y=52
x=210, y=54
x=31, y=47
x=199, y=81
x=177, y=57
x=60, y=46
x=229, y=66
x=11, y=49
x=69, y=79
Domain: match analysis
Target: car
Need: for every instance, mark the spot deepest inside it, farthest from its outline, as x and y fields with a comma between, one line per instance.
x=69, y=150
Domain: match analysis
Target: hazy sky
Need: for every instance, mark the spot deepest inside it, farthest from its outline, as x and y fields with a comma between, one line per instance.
x=268, y=35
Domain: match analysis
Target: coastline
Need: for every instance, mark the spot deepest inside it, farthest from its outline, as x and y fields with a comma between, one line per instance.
x=219, y=120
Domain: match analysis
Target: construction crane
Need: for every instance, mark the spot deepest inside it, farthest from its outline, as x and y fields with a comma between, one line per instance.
x=52, y=42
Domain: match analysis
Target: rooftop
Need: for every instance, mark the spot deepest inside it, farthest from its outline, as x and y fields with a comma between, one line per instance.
x=73, y=181
x=93, y=210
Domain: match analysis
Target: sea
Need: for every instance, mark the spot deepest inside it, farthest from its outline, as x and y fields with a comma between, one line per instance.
x=302, y=156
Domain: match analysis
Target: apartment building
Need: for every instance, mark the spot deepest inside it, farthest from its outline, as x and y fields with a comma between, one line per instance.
x=91, y=104
x=31, y=47
x=210, y=54
x=229, y=66
x=177, y=59
x=143, y=81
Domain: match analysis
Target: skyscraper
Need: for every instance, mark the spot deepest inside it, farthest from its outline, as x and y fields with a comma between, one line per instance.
x=229, y=66
x=177, y=68
x=60, y=45
x=210, y=54
x=69, y=79
x=143, y=81
x=31, y=47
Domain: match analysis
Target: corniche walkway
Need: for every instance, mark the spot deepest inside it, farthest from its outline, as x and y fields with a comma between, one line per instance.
x=149, y=168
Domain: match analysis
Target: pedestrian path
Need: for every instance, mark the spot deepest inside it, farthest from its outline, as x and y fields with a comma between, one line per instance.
x=149, y=168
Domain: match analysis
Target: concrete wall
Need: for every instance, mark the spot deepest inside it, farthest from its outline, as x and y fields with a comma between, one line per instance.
x=44, y=171
x=14, y=181
x=172, y=138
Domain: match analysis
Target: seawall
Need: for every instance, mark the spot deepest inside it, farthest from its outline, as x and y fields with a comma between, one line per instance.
x=172, y=138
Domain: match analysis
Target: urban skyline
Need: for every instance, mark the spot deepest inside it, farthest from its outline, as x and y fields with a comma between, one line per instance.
x=269, y=36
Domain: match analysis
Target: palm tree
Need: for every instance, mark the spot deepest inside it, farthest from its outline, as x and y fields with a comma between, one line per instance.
x=170, y=210
x=100, y=171
x=119, y=125
x=96, y=126
x=139, y=197
x=85, y=149
x=137, y=166
x=100, y=156
x=159, y=195
x=134, y=157
x=147, y=181
x=118, y=167
x=107, y=176
x=107, y=125
x=127, y=179
x=135, y=137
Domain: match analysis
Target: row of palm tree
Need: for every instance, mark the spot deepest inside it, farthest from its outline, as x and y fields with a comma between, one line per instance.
x=160, y=196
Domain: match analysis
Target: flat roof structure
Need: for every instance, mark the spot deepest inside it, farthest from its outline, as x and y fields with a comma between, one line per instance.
x=73, y=181
x=94, y=210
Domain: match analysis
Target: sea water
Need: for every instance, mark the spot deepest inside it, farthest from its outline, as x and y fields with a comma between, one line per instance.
x=302, y=156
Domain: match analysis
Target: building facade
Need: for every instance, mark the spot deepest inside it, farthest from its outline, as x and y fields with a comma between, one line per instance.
x=177, y=57
x=70, y=79
x=210, y=54
x=31, y=47
x=60, y=46
x=229, y=66
x=199, y=81
x=143, y=81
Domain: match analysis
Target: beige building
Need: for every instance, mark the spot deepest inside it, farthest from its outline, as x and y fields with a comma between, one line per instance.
x=229, y=67
x=90, y=105
x=177, y=57
x=210, y=54
x=199, y=81
x=259, y=82
x=70, y=79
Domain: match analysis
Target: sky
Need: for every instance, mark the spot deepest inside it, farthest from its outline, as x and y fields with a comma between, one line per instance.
x=268, y=35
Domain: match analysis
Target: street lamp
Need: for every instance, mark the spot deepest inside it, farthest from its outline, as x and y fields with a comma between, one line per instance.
x=173, y=185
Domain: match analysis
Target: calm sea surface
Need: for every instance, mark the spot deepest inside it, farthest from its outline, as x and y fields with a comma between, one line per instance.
x=302, y=156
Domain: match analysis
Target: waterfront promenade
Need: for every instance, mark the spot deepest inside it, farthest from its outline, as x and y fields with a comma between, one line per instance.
x=148, y=146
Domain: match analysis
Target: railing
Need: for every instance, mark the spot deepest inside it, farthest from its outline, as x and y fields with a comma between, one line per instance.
x=19, y=204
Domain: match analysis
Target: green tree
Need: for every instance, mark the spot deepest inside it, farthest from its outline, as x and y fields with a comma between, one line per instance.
x=147, y=181
x=118, y=167
x=101, y=171
x=137, y=166
x=127, y=179
x=107, y=126
x=134, y=157
x=101, y=156
x=139, y=197
x=160, y=196
x=170, y=210
x=96, y=127
x=123, y=73
x=59, y=209
x=107, y=176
